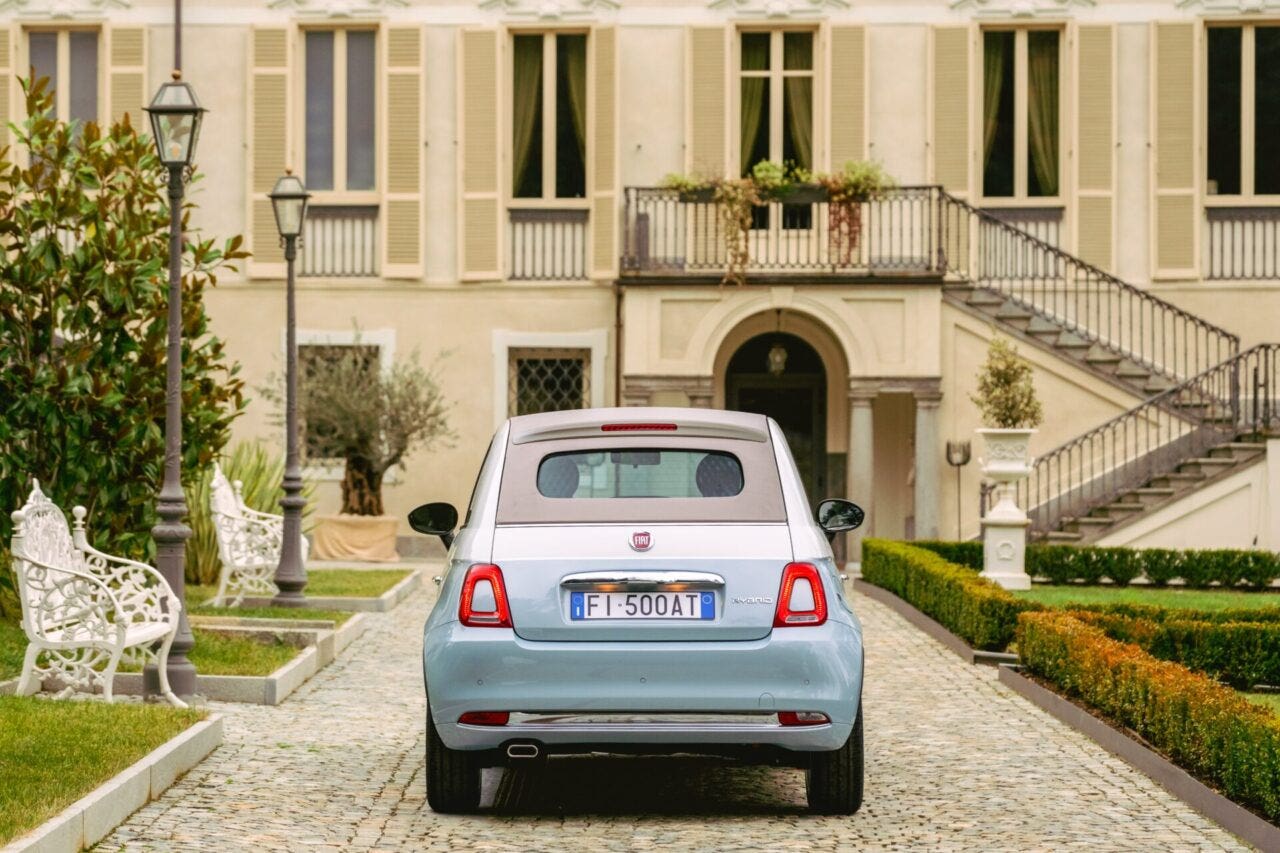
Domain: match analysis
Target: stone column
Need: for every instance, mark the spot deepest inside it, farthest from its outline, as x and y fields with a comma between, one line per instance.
x=861, y=462
x=928, y=491
x=701, y=392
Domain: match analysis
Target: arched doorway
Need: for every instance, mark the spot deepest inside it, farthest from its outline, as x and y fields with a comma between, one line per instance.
x=780, y=375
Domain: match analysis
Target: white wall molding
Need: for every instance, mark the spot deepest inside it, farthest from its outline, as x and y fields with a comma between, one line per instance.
x=337, y=8
x=61, y=10
x=551, y=10
x=505, y=340
x=1240, y=7
x=779, y=10
x=1018, y=9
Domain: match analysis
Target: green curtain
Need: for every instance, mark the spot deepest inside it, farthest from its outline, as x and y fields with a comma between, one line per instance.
x=799, y=100
x=575, y=59
x=755, y=54
x=527, y=103
x=994, y=46
x=1042, y=111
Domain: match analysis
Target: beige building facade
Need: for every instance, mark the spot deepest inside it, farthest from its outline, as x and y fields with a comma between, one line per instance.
x=487, y=190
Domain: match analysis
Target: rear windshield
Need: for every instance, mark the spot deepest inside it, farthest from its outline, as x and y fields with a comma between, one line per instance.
x=640, y=473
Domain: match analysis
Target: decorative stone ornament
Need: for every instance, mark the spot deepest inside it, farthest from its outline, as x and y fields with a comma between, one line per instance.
x=338, y=8
x=550, y=10
x=1006, y=461
x=778, y=9
x=1020, y=8
x=61, y=10
x=1242, y=7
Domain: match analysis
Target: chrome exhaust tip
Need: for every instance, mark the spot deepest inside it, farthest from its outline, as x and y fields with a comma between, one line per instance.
x=524, y=751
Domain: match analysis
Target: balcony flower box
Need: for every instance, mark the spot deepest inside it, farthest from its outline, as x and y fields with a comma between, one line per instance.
x=800, y=194
x=701, y=195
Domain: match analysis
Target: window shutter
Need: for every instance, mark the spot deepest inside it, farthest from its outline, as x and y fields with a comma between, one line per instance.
x=1095, y=143
x=403, y=135
x=848, y=87
x=1174, y=214
x=270, y=52
x=480, y=125
x=603, y=159
x=950, y=126
x=9, y=91
x=126, y=52
x=708, y=98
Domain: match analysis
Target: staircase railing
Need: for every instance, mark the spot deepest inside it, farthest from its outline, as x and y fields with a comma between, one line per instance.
x=1085, y=300
x=1238, y=397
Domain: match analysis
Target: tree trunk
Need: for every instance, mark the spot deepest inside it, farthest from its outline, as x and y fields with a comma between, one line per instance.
x=361, y=488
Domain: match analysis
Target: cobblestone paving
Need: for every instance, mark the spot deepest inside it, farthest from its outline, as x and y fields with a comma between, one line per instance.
x=955, y=761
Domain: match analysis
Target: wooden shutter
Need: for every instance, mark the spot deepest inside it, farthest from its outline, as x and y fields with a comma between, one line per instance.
x=603, y=160
x=1175, y=217
x=847, y=83
x=126, y=52
x=1095, y=144
x=270, y=52
x=480, y=126
x=950, y=113
x=402, y=232
x=9, y=91
x=707, y=117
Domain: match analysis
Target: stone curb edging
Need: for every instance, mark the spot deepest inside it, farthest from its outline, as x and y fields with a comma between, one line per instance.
x=383, y=603
x=931, y=627
x=91, y=818
x=1234, y=818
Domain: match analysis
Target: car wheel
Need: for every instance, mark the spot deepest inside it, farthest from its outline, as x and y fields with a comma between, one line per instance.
x=834, y=779
x=453, y=776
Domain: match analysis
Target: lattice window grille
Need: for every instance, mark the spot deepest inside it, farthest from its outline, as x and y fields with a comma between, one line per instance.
x=548, y=380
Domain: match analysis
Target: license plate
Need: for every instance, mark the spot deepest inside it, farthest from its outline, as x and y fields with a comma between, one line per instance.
x=642, y=605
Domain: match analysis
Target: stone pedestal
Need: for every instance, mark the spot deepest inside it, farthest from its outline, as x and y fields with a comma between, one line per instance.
x=1004, y=552
x=1004, y=527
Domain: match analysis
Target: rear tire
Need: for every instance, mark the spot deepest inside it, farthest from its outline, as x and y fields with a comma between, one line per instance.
x=834, y=779
x=453, y=775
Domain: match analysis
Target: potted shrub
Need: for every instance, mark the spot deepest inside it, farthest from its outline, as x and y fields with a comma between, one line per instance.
x=846, y=191
x=1010, y=410
x=371, y=419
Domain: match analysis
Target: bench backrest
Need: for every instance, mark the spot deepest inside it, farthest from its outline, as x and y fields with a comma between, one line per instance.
x=222, y=495
x=41, y=534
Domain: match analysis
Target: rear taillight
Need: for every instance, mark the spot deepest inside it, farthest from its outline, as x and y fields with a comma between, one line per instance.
x=802, y=718
x=485, y=718
x=484, y=598
x=801, y=601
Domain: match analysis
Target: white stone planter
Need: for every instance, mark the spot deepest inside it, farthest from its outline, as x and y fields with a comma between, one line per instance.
x=1006, y=461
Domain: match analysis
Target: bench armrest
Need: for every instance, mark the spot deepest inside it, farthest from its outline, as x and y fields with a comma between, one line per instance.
x=65, y=596
x=142, y=591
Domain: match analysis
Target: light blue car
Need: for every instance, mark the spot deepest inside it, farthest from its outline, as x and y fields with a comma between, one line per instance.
x=641, y=580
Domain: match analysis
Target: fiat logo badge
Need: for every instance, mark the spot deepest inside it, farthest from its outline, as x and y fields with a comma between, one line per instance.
x=641, y=541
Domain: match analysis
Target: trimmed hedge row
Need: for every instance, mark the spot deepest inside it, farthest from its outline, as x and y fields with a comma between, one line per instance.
x=1062, y=564
x=1202, y=726
x=972, y=607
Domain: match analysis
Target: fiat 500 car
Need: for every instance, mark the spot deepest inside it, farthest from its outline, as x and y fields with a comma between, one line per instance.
x=641, y=581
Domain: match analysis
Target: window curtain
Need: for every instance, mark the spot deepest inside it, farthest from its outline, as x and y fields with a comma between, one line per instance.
x=526, y=101
x=575, y=59
x=755, y=54
x=992, y=83
x=799, y=100
x=1042, y=111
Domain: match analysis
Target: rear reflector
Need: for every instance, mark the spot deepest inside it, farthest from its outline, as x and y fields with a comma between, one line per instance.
x=801, y=588
x=485, y=718
x=802, y=718
x=488, y=609
x=638, y=428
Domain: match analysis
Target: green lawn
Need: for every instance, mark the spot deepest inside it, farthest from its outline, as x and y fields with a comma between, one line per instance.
x=337, y=617
x=1174, y=597
x=1266, y=700
x=13, y=645
x=53, y=753
x=326, y=583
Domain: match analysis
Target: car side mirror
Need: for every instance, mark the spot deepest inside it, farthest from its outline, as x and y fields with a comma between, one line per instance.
x=836, y=515
x=435, y=519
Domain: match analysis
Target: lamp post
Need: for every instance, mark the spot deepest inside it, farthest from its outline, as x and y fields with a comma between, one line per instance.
x=289, y=200
x=175, y=126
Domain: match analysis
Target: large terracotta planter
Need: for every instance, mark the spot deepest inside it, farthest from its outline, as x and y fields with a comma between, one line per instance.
x=356, y=537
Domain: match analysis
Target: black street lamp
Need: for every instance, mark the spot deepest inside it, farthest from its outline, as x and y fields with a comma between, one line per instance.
x=175, y=126
x=289, y=199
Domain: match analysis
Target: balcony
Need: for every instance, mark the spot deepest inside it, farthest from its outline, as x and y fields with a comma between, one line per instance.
x=340, y=241
x=1242, y=243
x=547, y=243
x=667, y=234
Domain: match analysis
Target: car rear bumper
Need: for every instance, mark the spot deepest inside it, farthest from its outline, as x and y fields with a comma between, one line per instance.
x=566, y=694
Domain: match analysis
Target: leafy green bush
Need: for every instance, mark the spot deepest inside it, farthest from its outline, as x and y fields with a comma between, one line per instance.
x=1162, y=565
x=1206, y=728
x=961, y=553
x=981, y=612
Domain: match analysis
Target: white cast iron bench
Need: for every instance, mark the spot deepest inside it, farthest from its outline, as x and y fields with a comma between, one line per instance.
x=83, y=610
x=248, y=543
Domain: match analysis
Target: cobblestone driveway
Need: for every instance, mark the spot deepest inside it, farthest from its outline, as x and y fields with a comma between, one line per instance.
x=955, y=762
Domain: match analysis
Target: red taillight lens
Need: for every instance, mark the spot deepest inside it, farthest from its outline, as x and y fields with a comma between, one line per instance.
x=480, y=607
x=638, y=428
x=485, y=718
x=812, y=602
x=802, y=718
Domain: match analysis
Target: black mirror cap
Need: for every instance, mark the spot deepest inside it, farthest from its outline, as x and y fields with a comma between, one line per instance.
x=836, y=515
x=434, y=519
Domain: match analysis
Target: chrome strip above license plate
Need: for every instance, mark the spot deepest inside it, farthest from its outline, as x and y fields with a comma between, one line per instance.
x=632, y=581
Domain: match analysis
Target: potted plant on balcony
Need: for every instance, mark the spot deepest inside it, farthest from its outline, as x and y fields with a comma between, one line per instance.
x=371, y=419
x=846, y=191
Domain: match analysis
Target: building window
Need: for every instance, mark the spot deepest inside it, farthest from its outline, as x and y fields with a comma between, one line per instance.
x=340, y=109
x=549, y=115
x=775, y=109
x=1021, y=127
x=543, y=379
x=69, y=59
x=313, y=359
x=1243, y=110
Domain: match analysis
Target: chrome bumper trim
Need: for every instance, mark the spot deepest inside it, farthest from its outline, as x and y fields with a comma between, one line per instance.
x=652, y=722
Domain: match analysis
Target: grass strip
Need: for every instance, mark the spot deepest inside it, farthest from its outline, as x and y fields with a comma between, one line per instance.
x=226, y=653
x=1184, y=599
x=1266, y=700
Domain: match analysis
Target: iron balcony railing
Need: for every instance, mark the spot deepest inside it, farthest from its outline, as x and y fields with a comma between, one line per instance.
x=1240, y=396
x=1242, y=242
x=547, y=243
x=340, y=241
x=1043, y=223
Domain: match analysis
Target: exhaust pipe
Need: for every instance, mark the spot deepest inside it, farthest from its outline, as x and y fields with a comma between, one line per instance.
x=524, y=751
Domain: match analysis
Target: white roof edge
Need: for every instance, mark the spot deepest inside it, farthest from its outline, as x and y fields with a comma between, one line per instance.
x=589, y=423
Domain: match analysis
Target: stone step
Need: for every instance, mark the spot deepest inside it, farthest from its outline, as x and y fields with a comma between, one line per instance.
x=1177, y=480
x=1151, y=494
x=1090, y=522
x=1012, y=312
x=1240, y=451
x=981, y=297
x=1063, y=536
x=1071, y=341
x=1133, y=371
x=1124, y=509
x=1102, y=359
x=1157, y=385
x=1043, y=327
x=1207, y=465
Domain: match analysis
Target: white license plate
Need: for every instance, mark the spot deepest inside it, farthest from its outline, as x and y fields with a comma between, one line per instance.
x=642, y=605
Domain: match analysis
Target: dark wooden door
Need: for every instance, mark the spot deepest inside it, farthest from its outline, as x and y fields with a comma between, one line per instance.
x=798, y=403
